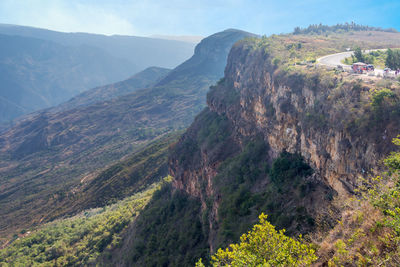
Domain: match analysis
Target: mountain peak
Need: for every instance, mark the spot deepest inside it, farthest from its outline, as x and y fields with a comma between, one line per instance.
x=210, y=55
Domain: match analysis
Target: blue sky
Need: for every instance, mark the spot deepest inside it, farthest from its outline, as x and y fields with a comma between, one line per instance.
x=200, y=17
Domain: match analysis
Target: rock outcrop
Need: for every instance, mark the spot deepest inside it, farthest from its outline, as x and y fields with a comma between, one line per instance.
x=312, y=112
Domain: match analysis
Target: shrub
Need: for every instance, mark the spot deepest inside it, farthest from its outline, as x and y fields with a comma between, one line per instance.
x=393, y=58
x=288, y=168
x=382, y=103
x=265, y=246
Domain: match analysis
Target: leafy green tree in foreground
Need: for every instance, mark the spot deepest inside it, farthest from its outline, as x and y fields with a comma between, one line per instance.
x=264, y=246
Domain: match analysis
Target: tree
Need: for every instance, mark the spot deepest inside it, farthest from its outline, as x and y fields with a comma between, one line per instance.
x=297, y=30
x=358, y=54
x=265, y=246
x=393, y=59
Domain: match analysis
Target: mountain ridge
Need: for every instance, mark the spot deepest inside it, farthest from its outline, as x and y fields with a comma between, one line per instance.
x=52, y=152
x=42, y=68
x=111, y=45
x=141, y=80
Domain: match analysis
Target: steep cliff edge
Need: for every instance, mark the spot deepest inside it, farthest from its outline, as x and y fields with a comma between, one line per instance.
x=335, y=123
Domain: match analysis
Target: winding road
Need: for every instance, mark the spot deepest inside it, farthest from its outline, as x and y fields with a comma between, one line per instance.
x=335, y=60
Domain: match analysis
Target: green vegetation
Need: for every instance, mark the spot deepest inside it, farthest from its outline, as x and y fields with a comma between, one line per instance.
x=173, y=230
x=393, y=161
x=214, y=131
x=393, y=59
x=169, y=232
x=241, y=202
x=380, y=97
x=376, y=58
x=352, y=106
x=288, y=168
x=288, y=51
x=78, y=240
x=358, y=55
x=265, y=246
x=213, y=135
x=381, y=59
x=385, y=106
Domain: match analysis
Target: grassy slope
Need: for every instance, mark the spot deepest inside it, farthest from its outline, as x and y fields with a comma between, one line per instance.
x=78, y=240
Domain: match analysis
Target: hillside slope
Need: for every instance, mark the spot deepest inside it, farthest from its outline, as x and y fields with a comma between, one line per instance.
x=275, y=138
x=46, y=155
x=78, y=240
x=36, y=74
x=144, y=79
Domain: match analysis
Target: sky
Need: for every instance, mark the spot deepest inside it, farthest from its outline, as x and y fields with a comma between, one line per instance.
x=199, y=17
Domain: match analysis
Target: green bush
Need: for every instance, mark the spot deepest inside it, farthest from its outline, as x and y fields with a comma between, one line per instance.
x=383, y=104
x=393, y=58
x=288, y=168
x=265, y=246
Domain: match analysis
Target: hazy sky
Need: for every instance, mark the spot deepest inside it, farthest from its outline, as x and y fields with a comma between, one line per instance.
x=196, y=17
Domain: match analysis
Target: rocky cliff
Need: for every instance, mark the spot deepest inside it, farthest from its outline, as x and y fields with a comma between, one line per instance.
x=329, y=119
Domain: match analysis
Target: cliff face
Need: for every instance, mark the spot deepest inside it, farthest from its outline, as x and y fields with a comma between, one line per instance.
x=320, y=115
x=301, y=112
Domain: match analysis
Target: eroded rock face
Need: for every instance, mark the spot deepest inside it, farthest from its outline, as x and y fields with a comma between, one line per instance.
x=337, y=155
x=275, y=105
x=293, y=111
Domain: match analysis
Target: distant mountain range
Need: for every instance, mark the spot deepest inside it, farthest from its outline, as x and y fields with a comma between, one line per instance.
x=49, y=156
x=41, y=68
x=141, y=80
x=141, y=52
